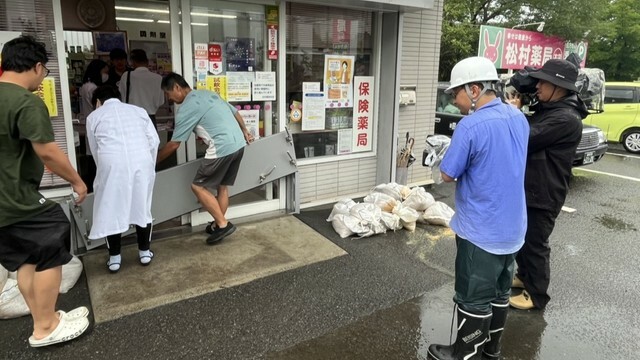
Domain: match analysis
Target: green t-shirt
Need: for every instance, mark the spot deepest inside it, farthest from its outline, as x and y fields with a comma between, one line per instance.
x=24, y=119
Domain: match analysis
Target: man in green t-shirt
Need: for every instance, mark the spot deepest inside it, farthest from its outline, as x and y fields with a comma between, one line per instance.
x=34, y=231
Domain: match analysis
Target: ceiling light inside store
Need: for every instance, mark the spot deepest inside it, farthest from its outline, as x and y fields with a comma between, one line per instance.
x=134, y=19
x=127, y=8
x=169, y=22
x=214, y=15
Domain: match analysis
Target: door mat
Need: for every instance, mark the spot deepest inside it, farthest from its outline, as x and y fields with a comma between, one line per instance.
x=185, y=267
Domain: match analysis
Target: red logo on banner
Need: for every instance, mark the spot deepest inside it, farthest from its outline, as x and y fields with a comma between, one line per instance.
x=272, y=46
x=215, y=52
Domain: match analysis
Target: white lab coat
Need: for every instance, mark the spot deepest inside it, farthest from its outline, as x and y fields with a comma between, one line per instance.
x=124, y=144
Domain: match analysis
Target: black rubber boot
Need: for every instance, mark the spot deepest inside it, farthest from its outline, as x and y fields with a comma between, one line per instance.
x=492, y=347
x=473, y=330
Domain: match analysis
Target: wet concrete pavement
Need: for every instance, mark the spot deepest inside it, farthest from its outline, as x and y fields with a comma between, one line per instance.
x=391, y=296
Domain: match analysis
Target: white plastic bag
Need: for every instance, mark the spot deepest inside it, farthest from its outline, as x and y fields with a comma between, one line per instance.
x=383, y=201
x=438, y=214
x=408, y=216
x=12, y=304
x=4, y=275
x=71, y=271
x=391, y=189
x=369, y=213
x=347, y=225
x=341, y=207
x=391, y=221
x=419, y=199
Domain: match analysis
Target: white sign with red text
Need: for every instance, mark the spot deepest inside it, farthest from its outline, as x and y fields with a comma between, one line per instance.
x=363, y=113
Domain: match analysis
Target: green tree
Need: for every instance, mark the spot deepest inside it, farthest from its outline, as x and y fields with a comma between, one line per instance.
x=569, y=19
x=616, y=49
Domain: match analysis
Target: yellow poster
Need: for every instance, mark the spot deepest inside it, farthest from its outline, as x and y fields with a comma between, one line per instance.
x=218, y=84
x=47, y=92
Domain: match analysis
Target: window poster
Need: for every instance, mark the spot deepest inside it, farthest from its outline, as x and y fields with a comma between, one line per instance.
x=363, y=87
x=264, y=86
x=215, y=58
x=251, y=121
x=345, y=137
x=47, y=92
x=239, y=86
x=217, y=84
x=240, y=54
x=313, y=111
x=163, y=61
x=338, y=70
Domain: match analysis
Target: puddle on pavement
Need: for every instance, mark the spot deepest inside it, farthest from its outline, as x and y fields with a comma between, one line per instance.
x=613, y=223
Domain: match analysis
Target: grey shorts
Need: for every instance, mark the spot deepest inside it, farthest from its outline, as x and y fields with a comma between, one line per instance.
x=42, y=240
x=221, y=171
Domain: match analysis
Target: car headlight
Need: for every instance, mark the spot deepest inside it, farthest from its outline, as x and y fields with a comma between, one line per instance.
x=601, y=138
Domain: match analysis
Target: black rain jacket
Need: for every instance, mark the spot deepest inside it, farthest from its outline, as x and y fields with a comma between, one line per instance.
x=556, y=130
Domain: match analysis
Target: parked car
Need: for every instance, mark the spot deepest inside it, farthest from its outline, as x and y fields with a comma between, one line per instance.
x=592, y=147
x=620, y=120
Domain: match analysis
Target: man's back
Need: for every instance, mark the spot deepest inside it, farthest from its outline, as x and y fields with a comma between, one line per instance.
x=487, y=156
x=144, y=87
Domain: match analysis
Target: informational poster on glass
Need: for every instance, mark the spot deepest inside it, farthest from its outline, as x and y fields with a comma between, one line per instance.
x=264, y=86
x=313, y=111
x=239, y=86
x=240, y=53
x=345, y=139
x=251, y=121
x=215, y=58
x=217, y=84
x=163, y=61
x=47, y=92
x=363, y=87
x=337, y=80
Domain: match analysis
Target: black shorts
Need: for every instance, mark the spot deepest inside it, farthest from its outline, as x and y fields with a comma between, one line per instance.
x=220, y=171
x=42, y=240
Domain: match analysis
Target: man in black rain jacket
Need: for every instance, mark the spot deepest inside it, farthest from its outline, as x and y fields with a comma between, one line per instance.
x=556, y=130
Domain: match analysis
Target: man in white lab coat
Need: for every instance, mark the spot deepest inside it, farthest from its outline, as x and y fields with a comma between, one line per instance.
x=124, y=144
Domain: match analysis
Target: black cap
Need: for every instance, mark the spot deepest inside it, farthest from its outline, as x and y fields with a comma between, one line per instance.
x=558, y=72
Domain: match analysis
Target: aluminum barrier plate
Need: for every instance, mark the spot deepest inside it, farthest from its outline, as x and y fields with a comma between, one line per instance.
x=265, y=160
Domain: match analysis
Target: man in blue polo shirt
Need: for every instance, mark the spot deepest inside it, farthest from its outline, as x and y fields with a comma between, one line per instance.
x=487, y=158
x=222, y=128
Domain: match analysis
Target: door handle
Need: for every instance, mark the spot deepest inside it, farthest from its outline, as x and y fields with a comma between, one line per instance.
x=263, y=177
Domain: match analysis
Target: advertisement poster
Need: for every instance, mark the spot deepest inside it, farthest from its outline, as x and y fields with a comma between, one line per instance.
x=252, y=121
x=215, y=58
x=345, y=137
x=47, y=92
x=310, y=87
x=313, y=111
x=217, y=84
x=338, y=70
x=239, y=86
x=363, y=113
x=272, y=32
x=264, y=86
x=163, y=62
x=240, y=54
x=200, y=51
x=514, y=49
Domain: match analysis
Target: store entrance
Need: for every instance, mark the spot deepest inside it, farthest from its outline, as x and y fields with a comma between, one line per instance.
x=222, y=42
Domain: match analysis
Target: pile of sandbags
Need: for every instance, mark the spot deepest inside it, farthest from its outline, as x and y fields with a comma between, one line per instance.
x=12, y=302
x=388, y=207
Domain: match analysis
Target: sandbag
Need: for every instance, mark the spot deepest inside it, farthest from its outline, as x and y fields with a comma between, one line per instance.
x=408, y=216
x=71, y=271
x=419, y=199
x=12, y=304
x=391, y=221
x=347, y=225
x=438, y=214
x=4, y=275
x=391, y=189
x=383, y=201
x=341, y=207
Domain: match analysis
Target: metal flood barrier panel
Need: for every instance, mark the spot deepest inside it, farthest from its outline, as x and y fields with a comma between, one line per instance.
x=265, y=160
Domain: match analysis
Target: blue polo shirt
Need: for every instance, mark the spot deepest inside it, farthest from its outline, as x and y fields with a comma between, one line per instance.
x=213, y=120
x=487, y=156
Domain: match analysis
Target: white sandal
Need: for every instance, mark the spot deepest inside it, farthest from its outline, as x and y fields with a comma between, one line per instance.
x=76, y=313
x=65, y=331
x=114, y=267
x=146, y=259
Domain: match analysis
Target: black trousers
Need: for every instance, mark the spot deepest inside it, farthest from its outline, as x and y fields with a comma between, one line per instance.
x=533, y=259
x=144, y=239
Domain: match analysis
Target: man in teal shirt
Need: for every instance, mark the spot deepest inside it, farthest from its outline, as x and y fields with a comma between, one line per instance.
x=222, y=128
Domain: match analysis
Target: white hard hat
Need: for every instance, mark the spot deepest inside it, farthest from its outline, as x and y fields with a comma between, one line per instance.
x=470, y=70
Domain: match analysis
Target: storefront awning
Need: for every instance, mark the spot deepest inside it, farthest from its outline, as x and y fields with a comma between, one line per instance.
x=377, y=5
